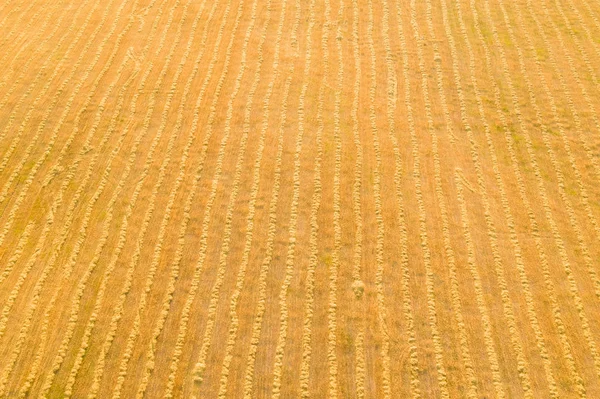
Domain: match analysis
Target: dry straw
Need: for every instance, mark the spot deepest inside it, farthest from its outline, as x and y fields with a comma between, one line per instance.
x=572, y=219
x=381, y=308
x=291, y=250
x=18, y=24
x=239, y=285
x=75, y=304
x=465, y=352
x=264, y=268
x=48, y=267
x=358, y=285
x=118, y=308
x=184, y=318
x=225, y=245
x=314, y=229
x=63, y=118
x=22, y=128
x=135, y=329
x=14, y=258
x=34, y=55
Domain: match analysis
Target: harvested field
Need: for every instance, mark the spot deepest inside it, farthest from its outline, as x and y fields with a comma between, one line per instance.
x=285, y=198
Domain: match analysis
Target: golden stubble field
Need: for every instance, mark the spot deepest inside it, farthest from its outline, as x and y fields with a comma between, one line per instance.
x=286, y=198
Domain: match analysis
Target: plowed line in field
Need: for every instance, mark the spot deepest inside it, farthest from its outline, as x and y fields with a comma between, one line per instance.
x=134, y=332
x=332, y=341
x=465, y=351
x=14, y=293
x=127, y=285
x=392, y=92
x=10, y=263
x=123, y=233
x=24, y=67
x=358, y=285
x=77, y=247
x=572, y=220
x=26, y=40
x=268, y=258
x=200, y=364
x=381, y=308
x=256, y=177
x=12, y=117
x=188, y=204
x=578, y=177
x=18, y=23
x=558, y=239
x=584, y=142
x=313, y=244
x=293, y=225
x=531, y=309
x=490, y=350
x=81, y=286
x=49, y=146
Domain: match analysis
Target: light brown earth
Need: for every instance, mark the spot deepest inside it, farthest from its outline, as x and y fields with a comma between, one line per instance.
x=285, y=198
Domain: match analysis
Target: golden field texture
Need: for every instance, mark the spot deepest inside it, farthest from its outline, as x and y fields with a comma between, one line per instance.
x=286, y=198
